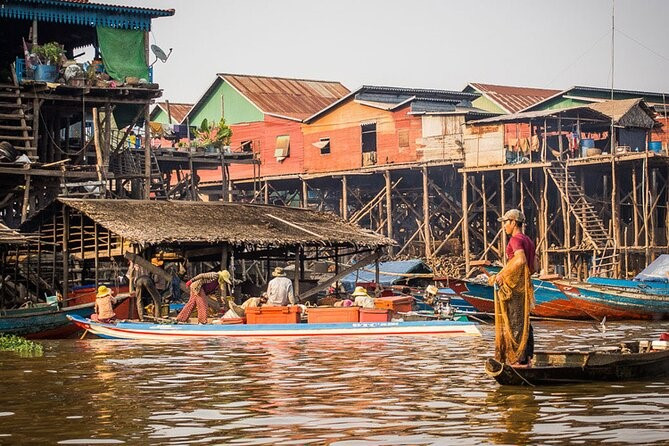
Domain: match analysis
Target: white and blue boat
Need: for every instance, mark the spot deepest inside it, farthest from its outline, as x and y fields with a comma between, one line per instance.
x=152, y=331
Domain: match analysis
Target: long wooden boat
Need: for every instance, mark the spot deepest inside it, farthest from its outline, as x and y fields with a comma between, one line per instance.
x=550, y=301
x=614, y=303
x=631, y=361
x=149, y=331
x=45, y=321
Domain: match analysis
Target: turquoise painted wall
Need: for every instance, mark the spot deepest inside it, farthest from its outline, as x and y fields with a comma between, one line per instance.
x=160, y=116
x=237, y=108
x=484, y=103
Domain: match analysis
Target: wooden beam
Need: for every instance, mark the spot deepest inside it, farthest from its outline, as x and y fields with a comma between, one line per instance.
x=324, y=284
x=465, y=222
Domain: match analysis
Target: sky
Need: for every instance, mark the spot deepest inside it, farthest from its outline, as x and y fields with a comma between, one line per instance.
x=412, y=43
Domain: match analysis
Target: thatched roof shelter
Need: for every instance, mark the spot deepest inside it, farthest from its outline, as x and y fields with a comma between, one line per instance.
x=190, y=222
x=9, y=236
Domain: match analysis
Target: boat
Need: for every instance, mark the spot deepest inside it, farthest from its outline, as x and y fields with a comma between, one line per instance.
x=43, y=320
x=153, y=331
x=654, y=279
x=550, y=301
x=630, y=361
x=49, y=320
x=615, y=303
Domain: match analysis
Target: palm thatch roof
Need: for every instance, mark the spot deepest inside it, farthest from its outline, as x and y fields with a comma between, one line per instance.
x=161, y=222
x=9, y=236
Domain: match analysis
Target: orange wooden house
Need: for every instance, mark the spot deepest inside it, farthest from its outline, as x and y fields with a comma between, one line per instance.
x=375, y=126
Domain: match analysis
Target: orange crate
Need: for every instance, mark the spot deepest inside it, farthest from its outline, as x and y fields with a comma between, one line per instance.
x=400, y=304
x=273, y=315
x=328, y=315
x=374, y=315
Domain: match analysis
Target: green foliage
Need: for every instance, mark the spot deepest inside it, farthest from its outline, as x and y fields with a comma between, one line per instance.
x=20, y=345
x=214, y=135
x=50, y=53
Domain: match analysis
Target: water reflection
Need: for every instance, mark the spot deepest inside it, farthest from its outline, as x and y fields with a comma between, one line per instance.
x=340, y=391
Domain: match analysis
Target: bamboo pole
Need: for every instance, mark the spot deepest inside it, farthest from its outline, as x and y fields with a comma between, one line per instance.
x=645, y=209
x=465, y=222
x=344, y=197
x=66, y=250
x=635, y=202
x=544, y=224
x=26, y=200
x=426, y=214
x=484, y=196
x=266, y=192
x=389, y=207
x=305, y=194
x=97, y=264
x=502, y=207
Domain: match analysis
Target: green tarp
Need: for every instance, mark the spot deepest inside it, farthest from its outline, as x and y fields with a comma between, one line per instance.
x=123, y=53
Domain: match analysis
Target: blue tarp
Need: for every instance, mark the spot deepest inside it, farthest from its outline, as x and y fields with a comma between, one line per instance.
x=657, y=271
x=367, y=273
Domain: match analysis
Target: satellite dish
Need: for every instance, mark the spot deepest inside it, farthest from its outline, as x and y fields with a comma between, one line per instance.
x=160, y=54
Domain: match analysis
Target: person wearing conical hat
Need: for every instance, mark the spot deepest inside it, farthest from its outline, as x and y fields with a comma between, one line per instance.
x=280, y=289
x=104, y=311
x=362, y=299
x=201, y=286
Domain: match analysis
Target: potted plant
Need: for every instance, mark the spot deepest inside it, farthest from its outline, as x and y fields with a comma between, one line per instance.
x=51, y=56
x=213, y=135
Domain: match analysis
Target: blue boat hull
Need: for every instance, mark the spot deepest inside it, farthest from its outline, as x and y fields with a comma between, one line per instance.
x=43, y=322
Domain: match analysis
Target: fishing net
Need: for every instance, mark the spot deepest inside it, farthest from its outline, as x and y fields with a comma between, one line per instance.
x=514, y=300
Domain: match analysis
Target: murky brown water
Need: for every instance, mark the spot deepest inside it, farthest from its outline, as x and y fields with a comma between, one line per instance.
x=343, y=391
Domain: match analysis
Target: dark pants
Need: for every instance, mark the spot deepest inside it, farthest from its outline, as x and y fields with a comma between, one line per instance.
x=529, y=348
x=145, y=286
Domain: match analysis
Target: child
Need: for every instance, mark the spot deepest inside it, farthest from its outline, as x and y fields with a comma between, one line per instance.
x=103, y=305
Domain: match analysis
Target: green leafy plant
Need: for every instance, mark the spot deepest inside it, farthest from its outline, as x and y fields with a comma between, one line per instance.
x=50, y=53
x=20, y=345
x=213, y=135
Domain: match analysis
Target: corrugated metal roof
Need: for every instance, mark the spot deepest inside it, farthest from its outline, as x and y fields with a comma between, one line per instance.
x=394, y=272
x=89, y=5
x=177, y=110
x=660, y=97
x=513, y=99
x=285, y=97
x=616, y=110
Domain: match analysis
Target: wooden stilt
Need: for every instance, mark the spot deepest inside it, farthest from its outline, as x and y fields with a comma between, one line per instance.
x=426, y=214
x=66, y=251
x=502, y=211
x=97, y=252
x=389, y=207
x=465, y=222
x=635, y=206
x=484, y=196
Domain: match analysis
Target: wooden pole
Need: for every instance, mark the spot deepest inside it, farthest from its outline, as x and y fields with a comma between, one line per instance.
x=502, y=207
x=266, y=197
x=426, y=214
x=169, y=112
x=296, y=278
x=66, y=250
x=465, y=222
x=99, y=163
x=97, y=251
x=635, y=205
x=645, y=209
x=305, y=194
x=344, y=197
x=147, y=146
x=389, y=207
x=615, y=212
x=26, y=200
x=484, y=196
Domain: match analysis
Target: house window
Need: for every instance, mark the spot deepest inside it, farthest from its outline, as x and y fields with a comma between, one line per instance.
x=403, y=137
x=281, y=151
x=369, y=137
x=324, y=145
x=247, y=146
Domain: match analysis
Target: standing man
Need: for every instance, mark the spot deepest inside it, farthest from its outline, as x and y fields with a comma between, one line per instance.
x=280, y=289
x=514, y=295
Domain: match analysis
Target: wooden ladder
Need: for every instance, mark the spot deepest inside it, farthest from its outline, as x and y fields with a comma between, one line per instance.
x=14, y=119
x=594, y=232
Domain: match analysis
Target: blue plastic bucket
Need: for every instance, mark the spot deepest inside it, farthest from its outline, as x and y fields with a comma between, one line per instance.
x=655, y=146
x=46, y=73
x=588, y=143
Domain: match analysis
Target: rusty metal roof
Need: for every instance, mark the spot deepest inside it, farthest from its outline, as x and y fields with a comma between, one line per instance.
x=178, y=111
x=284, y=97
x=513, y=99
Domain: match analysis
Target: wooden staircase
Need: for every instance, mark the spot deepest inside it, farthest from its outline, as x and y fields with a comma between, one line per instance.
x=158, y=186
x=14, y=118
x=595, y=235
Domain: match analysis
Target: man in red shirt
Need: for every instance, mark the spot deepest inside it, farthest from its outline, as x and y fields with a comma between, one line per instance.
x=514, y=297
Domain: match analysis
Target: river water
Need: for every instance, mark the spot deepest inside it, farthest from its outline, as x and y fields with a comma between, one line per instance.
x=339, y=391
